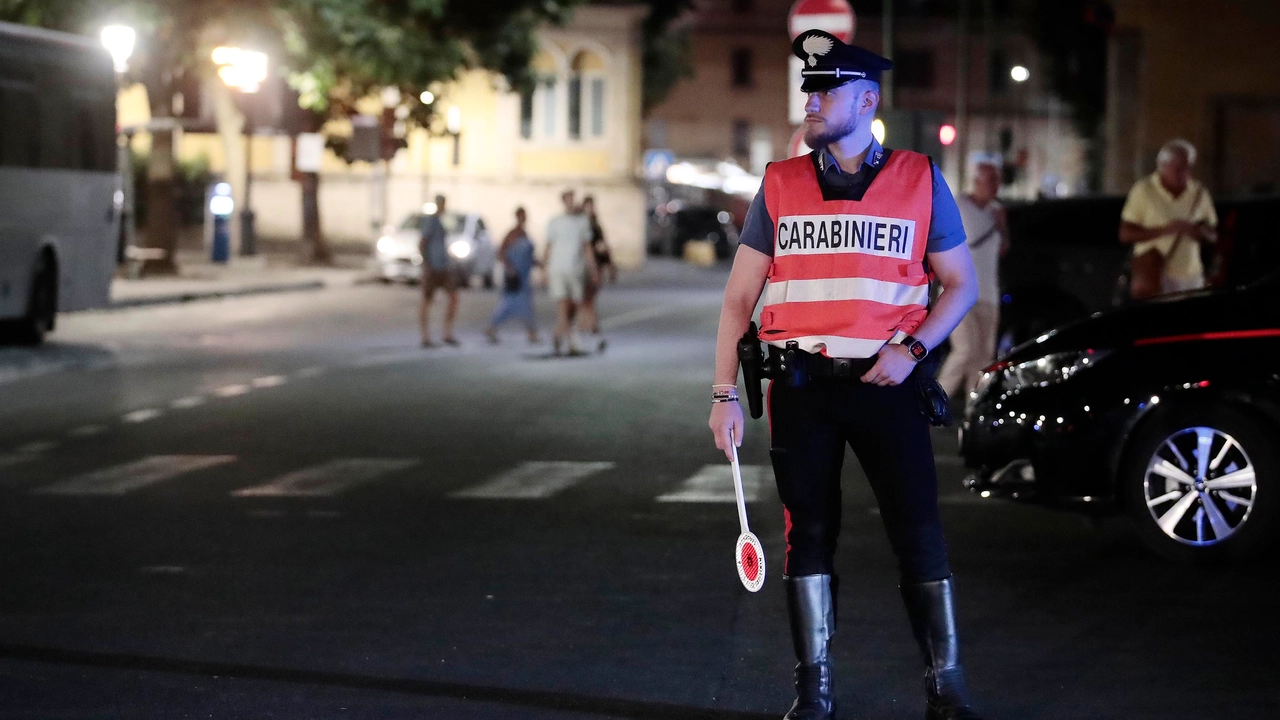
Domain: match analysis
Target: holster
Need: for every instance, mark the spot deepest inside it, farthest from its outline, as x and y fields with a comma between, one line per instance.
x=755, y=369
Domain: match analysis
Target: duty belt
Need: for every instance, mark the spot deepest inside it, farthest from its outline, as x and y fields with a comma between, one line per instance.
x=821, y=366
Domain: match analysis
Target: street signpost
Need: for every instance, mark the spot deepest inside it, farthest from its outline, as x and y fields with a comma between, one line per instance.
x=834, y=16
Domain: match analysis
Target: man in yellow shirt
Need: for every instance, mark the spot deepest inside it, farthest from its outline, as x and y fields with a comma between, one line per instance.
x=1166, y=205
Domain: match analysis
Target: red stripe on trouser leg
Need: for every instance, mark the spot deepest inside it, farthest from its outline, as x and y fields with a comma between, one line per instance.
x=786, y=514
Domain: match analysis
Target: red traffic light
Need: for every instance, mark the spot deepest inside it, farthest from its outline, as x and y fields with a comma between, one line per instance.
x=947, y=134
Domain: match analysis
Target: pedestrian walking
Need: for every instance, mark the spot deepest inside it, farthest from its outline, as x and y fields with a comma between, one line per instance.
x=1166, y=217
x=842, y=236
x=436, y=275
x=516, y=301
x=973, y=342
x=570, y=266
x=604, y=261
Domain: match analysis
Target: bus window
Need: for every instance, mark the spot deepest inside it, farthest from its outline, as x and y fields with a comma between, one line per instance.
x=19, y=123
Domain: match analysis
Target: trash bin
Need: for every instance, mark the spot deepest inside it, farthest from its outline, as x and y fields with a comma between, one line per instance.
x=218, y=212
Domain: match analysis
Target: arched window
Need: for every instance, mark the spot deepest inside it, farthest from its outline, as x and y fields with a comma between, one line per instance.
x=586, y=96
x=538, y=108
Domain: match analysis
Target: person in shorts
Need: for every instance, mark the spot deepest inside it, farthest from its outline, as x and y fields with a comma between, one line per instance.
x=570, y=265
x=436, y=275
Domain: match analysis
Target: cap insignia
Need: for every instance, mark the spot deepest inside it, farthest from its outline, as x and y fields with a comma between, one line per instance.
x=816, y=45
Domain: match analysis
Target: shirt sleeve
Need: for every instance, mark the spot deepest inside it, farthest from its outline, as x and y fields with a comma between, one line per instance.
x=945, y=228
x=1206, y=212
x=1135, y=207
x=757, y=229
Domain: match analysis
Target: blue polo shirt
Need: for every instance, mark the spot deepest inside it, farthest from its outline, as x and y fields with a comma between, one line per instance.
x=945, y=229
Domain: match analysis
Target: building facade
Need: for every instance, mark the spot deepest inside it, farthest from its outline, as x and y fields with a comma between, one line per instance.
x=580, y=130
x=736, y=104
x=1182, y=69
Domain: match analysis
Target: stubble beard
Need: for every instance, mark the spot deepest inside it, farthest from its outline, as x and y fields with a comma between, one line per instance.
x=817, y=140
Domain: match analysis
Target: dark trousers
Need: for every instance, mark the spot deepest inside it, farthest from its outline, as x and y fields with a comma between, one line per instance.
x=809, y=427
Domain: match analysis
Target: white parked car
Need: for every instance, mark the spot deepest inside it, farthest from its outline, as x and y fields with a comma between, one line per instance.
x=396, y=254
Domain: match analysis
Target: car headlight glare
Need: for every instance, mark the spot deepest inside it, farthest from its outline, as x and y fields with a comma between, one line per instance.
x=1050, y=369
x=460, y=249
x=386, y=244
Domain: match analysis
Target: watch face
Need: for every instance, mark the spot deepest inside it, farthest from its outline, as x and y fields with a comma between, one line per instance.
x=917, y=350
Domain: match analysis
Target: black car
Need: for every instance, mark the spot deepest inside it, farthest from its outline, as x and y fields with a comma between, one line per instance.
x=1167, y=410
x=698, y=222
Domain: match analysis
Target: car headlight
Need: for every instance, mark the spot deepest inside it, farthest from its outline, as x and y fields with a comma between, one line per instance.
x=460, y=249
x=386, y=244
x=1050, y=369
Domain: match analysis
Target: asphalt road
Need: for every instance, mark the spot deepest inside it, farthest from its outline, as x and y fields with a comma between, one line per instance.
x=281, y=507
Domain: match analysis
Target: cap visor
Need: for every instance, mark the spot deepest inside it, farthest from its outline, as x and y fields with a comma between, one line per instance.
x=818, y=83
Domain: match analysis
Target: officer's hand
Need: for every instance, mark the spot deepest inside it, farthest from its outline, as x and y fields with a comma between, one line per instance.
x=893, y=364
x=726, y=417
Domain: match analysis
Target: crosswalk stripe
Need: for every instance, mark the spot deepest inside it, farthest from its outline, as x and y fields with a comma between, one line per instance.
x=17, y=459
x=122, y=479
x=534, y=480
x=714, y=484
x=330, y=478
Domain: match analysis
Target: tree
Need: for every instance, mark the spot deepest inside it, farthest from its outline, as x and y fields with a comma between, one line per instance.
x=346, y=50
x=666, y=51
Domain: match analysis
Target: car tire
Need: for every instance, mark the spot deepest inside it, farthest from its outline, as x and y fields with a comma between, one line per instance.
x=42, y=306
x=1171, y=515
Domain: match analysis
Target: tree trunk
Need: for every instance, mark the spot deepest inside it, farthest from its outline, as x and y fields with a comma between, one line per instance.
x=162, y=211
x=314, y=246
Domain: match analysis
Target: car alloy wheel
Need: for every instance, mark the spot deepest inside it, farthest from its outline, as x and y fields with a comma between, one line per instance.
x=1200, y=486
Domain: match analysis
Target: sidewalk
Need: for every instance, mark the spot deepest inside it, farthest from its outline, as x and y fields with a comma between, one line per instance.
x=199, y=279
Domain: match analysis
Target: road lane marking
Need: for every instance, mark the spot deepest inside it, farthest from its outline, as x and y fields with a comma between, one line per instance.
x=35, y=448
x=330, y=478
x=87, y=430
x=534, y=480
x=637, y=316
x=714, y=484
x=231, y=390
x=140, y=416
x=7, y=461
x=270, y=381
x=190, y=401
x=309, y=372
x=126, y=478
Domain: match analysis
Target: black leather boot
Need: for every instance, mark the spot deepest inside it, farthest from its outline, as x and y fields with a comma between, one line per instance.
x=813, y=622
x=931, y=607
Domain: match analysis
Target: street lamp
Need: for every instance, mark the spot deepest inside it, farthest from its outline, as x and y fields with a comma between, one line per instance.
x=1019, y=73
x=244, y=70
x=119, y=41
x=453, y=125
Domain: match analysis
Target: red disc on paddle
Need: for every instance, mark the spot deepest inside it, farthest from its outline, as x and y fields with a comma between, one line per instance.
x=750, y=562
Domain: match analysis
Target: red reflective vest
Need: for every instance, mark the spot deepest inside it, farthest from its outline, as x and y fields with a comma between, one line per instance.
x=847, y=275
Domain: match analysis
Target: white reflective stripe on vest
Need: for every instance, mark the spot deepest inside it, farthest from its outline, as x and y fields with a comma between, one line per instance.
x=840, y=347
x=888, y=293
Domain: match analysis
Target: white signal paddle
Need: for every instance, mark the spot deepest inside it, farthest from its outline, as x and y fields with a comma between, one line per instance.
x=750, y=556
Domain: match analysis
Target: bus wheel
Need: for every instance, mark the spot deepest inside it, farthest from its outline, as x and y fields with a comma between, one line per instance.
x=42, y=307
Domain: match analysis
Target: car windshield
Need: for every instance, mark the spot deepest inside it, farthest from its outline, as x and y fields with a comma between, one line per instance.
x=453, y=222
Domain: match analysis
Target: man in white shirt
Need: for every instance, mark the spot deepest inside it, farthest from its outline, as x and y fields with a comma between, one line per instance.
x=569, y=262
x=973, y=342
x=1172, y=213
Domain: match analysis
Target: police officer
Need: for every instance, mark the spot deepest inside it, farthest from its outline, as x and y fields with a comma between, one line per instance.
x=843, y=236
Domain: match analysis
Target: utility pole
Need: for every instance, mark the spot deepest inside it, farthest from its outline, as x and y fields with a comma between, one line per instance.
x=886, y=31
x=962, y=91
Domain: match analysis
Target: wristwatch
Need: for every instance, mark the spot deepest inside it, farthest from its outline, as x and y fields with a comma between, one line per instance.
x=915, y=347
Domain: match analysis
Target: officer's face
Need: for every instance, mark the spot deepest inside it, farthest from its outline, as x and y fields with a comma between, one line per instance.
x=830, y=115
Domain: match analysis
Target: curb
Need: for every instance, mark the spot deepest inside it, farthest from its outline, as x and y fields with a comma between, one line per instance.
x=183, y=297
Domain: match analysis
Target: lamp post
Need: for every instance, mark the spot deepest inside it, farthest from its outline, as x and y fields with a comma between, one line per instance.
x=119, y=41
x=244, y=70
x=453, y=126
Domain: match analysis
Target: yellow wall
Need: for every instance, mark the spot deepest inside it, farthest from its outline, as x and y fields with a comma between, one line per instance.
x=562, y=163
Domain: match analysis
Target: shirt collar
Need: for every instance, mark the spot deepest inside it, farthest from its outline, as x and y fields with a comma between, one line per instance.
x=828, y=164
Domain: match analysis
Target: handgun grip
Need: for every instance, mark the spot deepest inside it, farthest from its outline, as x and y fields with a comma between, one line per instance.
x=752, y=360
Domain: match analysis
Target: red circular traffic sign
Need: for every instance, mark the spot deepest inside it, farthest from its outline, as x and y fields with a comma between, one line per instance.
x=834, y=16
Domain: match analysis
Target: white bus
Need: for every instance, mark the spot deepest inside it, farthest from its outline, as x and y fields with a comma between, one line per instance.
x=59, y=219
